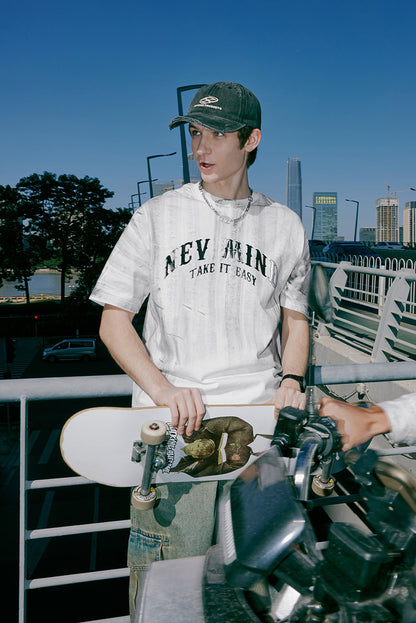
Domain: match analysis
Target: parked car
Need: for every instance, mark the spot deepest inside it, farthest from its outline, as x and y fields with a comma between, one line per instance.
x=389, y=245
x=343, y=249
x=315, y=250
x=71, y=348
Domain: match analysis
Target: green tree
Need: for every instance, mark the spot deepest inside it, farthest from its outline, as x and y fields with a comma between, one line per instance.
x=60, y=222
x=99, y=240
x=63, y=211
x=21, y=250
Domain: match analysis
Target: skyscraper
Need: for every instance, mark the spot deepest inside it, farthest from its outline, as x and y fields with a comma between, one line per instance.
x=326, y=216
x=294, y=186
x=387, y=224
x=409, y=223
x=368, y=234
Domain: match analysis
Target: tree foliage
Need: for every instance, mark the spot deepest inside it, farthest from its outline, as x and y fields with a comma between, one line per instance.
x=20, y=247
x=60, y=222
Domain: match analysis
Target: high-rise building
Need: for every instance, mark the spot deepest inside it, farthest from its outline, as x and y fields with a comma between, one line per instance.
x=294, y=186
x=326, y=216
x=387, y=224
x=368, y=235
x=409, y=223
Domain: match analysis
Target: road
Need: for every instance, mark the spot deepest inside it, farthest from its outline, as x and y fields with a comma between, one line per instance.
x=59, y=507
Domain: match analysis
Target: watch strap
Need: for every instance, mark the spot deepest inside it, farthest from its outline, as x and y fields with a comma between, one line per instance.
x=296, y=377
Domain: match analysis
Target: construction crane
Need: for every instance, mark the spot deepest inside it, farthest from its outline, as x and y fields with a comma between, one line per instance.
x=394, y=192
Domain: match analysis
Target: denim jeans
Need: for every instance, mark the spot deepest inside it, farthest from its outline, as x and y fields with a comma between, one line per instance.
x=182, y=523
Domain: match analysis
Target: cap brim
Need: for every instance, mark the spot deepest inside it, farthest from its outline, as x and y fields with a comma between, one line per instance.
x=212, y=123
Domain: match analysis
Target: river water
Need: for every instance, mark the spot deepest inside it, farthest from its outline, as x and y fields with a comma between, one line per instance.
x=47, y=283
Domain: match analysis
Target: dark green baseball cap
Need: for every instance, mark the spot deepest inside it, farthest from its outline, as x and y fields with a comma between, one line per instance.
x=222, y=107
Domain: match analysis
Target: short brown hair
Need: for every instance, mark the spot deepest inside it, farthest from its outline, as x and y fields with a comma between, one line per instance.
x=243, y=135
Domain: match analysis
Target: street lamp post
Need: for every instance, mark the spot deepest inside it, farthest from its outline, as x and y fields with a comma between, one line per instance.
x=356, y=216
x=185, y=165
x=148, y=169
x=138, y=189
x=132, y=201
x=313, y=219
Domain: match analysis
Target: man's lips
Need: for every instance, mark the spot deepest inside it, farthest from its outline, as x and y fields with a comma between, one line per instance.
x=205, y=166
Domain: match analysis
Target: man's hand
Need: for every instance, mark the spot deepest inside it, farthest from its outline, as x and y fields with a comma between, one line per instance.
x=185, y=404
x=288, y=395
x=356, y=424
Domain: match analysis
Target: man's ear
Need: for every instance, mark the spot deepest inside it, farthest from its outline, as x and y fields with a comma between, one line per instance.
x=253, y=140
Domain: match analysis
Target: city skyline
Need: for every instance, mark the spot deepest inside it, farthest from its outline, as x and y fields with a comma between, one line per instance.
x=92, y=94
x=324, y=224
x=294, y=200
x=294, y=185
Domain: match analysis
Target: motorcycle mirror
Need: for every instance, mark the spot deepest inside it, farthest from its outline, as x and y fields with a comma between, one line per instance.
x=320, y=300
x=259, y=520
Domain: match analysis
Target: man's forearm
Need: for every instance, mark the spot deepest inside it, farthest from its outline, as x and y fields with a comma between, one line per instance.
x=295, y=343
x=128, y=350
x=294, y=359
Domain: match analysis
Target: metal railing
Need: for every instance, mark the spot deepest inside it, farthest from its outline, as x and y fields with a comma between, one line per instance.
x=376, y=298
x=374, y=309
x=24, y=391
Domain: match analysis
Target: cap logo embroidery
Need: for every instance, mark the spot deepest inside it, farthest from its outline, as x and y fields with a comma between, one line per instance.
x=210, y=99
x=208, y=102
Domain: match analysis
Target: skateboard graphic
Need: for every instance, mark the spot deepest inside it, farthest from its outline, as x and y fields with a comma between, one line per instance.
x=108, y=444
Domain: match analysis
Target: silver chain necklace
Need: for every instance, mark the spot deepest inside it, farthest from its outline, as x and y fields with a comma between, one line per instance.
x=226, y=219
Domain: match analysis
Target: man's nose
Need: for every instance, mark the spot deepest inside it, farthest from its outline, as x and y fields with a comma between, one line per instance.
x=203, y=146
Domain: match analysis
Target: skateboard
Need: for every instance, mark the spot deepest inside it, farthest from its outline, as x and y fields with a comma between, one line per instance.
x=107, y=444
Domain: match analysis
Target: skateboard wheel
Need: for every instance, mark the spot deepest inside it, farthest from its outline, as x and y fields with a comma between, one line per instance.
x=143, y=502
x=153, y=433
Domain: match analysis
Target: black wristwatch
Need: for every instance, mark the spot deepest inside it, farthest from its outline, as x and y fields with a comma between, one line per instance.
x=299, y=379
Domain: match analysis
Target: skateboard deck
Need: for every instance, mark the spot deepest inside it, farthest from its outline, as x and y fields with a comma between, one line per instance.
x=97, y=443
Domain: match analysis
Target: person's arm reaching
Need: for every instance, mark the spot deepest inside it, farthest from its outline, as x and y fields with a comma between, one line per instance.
x=295, y=353
x=356, y=424
x=128, y=350
x=396, y=418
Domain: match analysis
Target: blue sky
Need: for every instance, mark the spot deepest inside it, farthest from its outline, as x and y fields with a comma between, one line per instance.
x=89, y=87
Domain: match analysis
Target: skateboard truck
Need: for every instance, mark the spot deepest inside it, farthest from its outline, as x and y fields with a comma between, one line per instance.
x=153, y=434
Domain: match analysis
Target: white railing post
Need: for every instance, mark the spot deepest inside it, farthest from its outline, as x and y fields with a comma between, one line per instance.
x=22, y=509
x=394, y=307
x=24, y=390
x=381, y=293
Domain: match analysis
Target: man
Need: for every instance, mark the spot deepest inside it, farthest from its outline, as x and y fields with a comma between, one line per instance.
x=226, y=271
x=395, y=418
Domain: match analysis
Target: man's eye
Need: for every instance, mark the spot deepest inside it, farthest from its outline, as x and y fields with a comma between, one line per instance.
x=219, y=133
x=194, y=132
